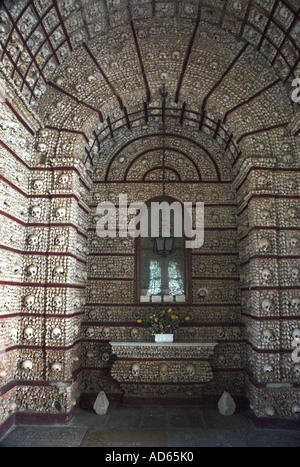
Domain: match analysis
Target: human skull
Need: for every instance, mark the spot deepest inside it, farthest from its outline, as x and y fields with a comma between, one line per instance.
x=221, y=359
x=60, y=212
x=60, y=240
x=32, y=240
x=295, y=408
x=295, y=273
x=36, y=211
x=56, y=367
x=270, y=411
x=41, y=147
x=296, y=335
x=14, y=334
x=267, y=336
x=292, y=213
x=32, y=271
x=57, y=301
x=135, y=369
x=109, y=293
x=266, y=274
x=106, y=332
x=236, y=358
x=268, y=369
x=264, y=244
x=27, y=365
x=267, y=305
x=105, y=356
x=294, y=242
x=134, y=333
x=90, y=332
x=163, y=369
x=56, y=333
x=295, y=303
x=28, y=333
x=38, y=184
x=63, y=179
x=297, y=370
x=58, y=271
x=29, y=301
x=7, y=302
x=265, y=214
x=190, y=369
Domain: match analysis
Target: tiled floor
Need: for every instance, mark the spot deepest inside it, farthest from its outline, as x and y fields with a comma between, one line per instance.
x=155, y=426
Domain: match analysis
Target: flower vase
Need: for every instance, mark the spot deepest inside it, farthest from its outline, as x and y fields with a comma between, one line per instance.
x=164, y=337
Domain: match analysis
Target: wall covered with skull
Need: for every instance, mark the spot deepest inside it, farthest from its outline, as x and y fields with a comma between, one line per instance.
x=81, y=123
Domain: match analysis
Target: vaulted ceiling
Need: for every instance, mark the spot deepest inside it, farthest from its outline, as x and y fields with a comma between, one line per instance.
x=95, y=69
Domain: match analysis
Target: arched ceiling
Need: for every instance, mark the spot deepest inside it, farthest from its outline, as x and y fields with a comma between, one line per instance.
x=94, y=69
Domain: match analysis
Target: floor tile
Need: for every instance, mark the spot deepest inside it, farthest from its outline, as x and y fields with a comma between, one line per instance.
x=23, y=436
x=119, y=438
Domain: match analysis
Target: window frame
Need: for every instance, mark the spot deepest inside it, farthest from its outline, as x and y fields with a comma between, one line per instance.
x=187, y=264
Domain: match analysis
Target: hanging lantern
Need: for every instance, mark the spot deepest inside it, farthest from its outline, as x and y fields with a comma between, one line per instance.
x=164, y=246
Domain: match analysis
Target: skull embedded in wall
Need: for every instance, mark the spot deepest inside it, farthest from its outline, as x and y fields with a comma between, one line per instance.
x=90, y=332
x=57, y=301
x=296, y=408
x=190, y=370
x=295, y=273
x=134, y=333
x=264, y=244
x=27, y=365
x=221, y=359
x=297, y=370
x=292, y=213
x=135, y=369
x=267, y=335
x=266, y=274
x=270, y=411
x=267, y=305
x=28, y=333
x=32, y=271
x=32, y=240
x=29, y=301
x=36, y=211
x=163, y=369
x=294, y=242
x=268, y=369
x=14, y=334
x=63, y=179
x=265, y=214
x=56, y=333
x=60, y=212
x=296, y=336
x=60, y=240
x=106, y=333
x=105, y=356
x=56, y=367
x=295, y=303
x=58, y=271
x=109, y=293
x=38, y=184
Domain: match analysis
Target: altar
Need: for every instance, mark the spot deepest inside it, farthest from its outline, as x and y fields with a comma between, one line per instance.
x=155, y=371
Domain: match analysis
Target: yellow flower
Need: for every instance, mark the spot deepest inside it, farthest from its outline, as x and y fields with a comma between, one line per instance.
x=187, y=318
x=174, y=317
x=156, y=319
x=139, y=321
x=170, y=310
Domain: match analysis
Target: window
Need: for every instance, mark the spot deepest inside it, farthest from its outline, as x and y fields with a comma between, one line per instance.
x=159, y=278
